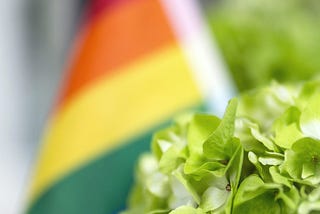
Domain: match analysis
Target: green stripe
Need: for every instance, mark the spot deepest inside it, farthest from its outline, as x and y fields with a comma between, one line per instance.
x=100, y=187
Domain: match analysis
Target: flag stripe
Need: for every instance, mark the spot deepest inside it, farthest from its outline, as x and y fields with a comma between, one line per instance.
x=115, y=109
x=96, y=7
x=101, y=186
x=115, y=38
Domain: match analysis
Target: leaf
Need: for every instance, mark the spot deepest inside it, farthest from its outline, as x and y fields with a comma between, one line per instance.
x=163, y=139
x=307, y=207
x=303, y=160
x=243, y=131
x=199, y=166
x=171, y=159
x=183, y=190
x=278, y=178
x=287, y=129
x=214, y=198
x=290, y=199
x=271, y=158
x=219, y=144
x=200, y=127
x=187, y=210
x=141, y=199
x=253, y=194
x=256, y=133
x=234, y=167
x=310, y=118
x=262, y=170
x=311, y=203
x=165, y=211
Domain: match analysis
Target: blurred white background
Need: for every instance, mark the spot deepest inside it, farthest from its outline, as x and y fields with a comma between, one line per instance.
x=34, y=39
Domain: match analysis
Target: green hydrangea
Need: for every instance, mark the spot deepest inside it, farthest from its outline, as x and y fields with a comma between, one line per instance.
x=263, y=156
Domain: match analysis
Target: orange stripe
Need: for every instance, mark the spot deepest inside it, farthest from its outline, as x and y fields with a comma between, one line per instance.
x=116, y=38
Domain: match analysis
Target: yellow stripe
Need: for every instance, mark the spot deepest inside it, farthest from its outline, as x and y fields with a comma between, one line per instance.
x=115, y=109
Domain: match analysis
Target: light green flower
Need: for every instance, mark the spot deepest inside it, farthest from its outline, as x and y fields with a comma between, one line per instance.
x=262, y=156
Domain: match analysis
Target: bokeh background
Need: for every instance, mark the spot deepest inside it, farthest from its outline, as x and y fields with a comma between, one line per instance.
x=35, y=36
x=258, y=40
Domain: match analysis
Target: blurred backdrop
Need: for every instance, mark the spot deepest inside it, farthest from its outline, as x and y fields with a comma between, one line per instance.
x=258, y=40
x=34, y=39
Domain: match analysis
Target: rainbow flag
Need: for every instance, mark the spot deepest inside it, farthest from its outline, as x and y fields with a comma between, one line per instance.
x=135, y=64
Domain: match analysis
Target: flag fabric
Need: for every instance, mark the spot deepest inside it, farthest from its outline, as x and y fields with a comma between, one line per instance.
x=135, y=64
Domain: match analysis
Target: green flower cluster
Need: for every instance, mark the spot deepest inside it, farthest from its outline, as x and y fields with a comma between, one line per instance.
x=263, y=156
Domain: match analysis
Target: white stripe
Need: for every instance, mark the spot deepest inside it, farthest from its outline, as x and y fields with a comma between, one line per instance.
x=201, y=52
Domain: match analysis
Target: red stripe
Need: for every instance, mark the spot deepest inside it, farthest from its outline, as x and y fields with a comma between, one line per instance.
x=96, y=7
